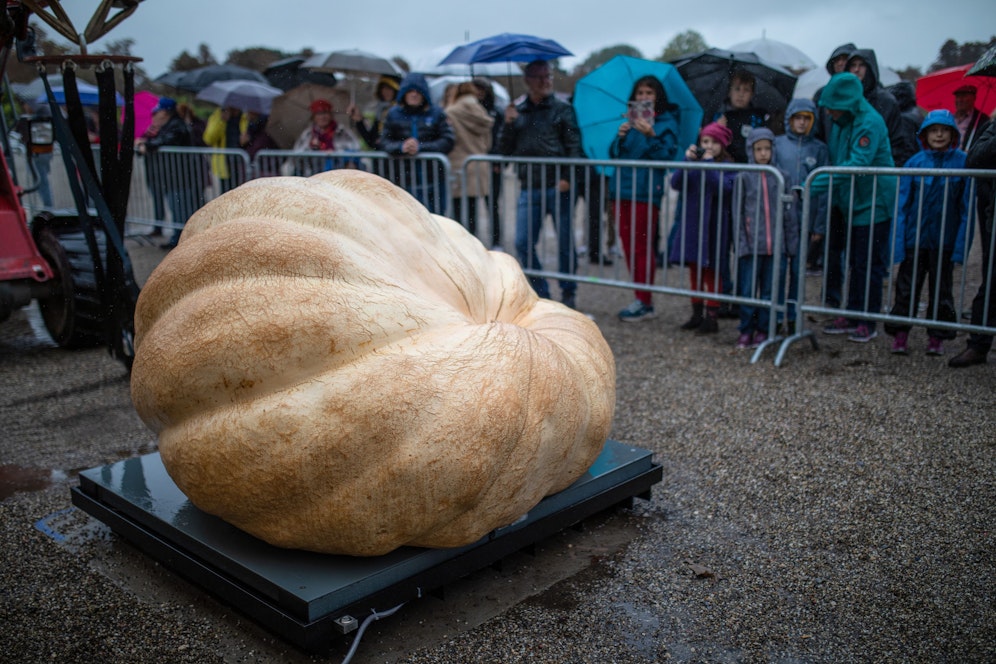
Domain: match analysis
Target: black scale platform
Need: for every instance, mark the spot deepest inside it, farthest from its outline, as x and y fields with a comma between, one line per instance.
x=310, y=598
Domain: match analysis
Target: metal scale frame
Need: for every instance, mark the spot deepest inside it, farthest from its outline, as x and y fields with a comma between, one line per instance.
x=312, y=599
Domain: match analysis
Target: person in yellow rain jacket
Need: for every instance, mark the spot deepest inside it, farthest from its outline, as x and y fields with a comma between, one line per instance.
x=224, y=127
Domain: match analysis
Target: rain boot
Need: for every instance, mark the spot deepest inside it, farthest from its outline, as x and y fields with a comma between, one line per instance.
x=696, y=320
x=709, y=325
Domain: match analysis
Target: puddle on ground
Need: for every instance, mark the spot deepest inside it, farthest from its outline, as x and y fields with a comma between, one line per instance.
x=14, y=479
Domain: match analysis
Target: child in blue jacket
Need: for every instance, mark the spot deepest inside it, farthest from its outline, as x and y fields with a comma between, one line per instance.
x=930, y=232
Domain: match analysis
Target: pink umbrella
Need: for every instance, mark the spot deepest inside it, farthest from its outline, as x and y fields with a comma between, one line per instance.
x=144, y=103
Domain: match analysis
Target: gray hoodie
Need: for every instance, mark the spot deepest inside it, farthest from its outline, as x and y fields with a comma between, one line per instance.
x=800, y=155
x=756, y=205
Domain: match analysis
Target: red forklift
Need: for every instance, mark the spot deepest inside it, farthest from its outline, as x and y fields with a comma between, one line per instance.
x=73, y=262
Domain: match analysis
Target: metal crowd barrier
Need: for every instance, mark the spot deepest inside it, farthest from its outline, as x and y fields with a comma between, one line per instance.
x=581, y=222
x=844, y=247
x=593, y=228
x=426, y=177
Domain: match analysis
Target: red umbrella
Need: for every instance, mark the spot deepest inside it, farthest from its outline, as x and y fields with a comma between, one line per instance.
x=936, y=90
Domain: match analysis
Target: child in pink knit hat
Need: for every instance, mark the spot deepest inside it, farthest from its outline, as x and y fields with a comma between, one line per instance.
x=701, y=239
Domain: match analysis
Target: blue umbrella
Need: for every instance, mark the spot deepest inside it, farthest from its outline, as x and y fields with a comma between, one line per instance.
x=506, y=47
x=600, y=102
x=89, y=95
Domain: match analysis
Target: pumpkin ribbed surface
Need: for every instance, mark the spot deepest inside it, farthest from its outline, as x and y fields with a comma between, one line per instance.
x=330, y=367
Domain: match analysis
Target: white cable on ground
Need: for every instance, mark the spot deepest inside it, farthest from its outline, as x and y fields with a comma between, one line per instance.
x=374, y=615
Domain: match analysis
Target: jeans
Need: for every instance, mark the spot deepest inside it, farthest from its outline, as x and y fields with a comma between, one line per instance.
x=754, y=277
x=182, y=205
x=43, y=164
x=533, y=206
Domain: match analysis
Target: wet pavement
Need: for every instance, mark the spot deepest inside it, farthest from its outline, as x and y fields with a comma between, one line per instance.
x=837, y=509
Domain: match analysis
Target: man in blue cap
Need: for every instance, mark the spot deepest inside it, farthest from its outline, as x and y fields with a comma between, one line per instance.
x=179, y=193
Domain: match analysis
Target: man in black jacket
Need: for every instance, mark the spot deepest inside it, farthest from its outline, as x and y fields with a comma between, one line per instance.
x=983, y=155
x=863, y=64
x=543, y=126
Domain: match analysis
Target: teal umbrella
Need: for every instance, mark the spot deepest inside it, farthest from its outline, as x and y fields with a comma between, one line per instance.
x=601, y=97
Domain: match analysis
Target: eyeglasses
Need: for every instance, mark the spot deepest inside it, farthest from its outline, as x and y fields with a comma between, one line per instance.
x=540, y=77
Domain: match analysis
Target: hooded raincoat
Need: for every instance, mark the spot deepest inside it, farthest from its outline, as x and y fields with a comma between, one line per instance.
x=800, y=155
x=428, y=125
x=757, y=201
x=934, y=210
x=859, y=139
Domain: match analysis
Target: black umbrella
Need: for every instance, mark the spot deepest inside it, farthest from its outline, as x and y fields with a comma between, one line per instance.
x=984, y=66
x=708, y=74
x=287, y=74
x=196, y=80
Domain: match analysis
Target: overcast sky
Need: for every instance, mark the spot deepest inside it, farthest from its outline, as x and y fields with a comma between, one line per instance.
x=902, y=32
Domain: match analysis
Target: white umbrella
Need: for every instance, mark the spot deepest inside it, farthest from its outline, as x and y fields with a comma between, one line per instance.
x=778, y=52
x=807, y=84
x=438, y=85
x=243, y=95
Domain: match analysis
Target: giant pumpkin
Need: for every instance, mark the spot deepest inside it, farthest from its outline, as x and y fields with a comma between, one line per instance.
x=330, y=367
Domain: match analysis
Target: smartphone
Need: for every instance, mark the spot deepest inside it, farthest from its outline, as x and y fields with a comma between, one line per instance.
x=643, y=108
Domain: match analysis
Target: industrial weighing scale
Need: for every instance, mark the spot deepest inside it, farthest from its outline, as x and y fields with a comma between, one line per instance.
x=308, y=598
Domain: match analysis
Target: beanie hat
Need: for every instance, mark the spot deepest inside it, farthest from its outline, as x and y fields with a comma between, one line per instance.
x=717, y=131
x=390, y=81
x=320, y=106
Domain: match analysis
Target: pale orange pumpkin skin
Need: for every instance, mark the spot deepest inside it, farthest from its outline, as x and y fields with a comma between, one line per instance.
x=330, y=367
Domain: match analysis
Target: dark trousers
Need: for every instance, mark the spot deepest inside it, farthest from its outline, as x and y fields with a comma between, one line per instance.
x=836, y=245
x=913, y=272
x=469, y=214
x=866, y=264
x=493, y=199
x=983, y=307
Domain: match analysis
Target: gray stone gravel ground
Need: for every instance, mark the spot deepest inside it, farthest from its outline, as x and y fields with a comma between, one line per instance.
x=840, y=508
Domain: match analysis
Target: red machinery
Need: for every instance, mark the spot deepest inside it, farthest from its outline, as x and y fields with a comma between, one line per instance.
x=73, y=263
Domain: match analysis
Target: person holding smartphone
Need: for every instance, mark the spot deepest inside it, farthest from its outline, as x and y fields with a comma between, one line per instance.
x=650, y=132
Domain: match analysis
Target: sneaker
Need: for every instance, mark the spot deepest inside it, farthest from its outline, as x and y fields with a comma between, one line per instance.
x=899, y=344
x=840, y=325
x=743, y=341
x=636, y=311
x=759, y=338
x=863, y=334
x=935, y=346
x=569, y=300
